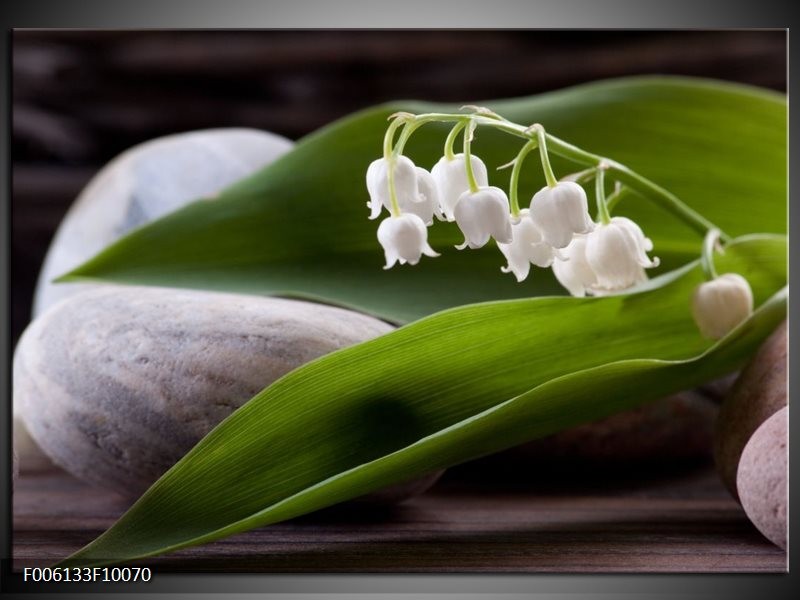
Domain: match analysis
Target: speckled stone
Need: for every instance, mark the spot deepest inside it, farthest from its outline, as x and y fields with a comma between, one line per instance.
x=759, y=392
x=762, y=477
x=676, y=428
x=117, y=383
x=143, y=183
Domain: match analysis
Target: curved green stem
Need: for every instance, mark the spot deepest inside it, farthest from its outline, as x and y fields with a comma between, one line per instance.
x=390, y=158
x=409, y=128
x=451, y=139
x=388, y=137
x=584, y=176
x=707, y=254
x=618, y=171
x=541, y=136
x=515, y=171
x=600, y=193
x=618, y=196
x=643, y=186
x=473, y=184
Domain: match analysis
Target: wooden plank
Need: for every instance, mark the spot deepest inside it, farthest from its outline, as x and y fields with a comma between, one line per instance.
x=679, y=523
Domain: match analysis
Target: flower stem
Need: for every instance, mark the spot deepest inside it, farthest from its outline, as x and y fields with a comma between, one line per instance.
x=643, y=186
x=617, y=196
x=390, y=157
x=541, y=136
x=409, y=128
x=451, y=139
x=473, y=184
x=707, y=254
x=600, y=193
x=515, y=171
x=584, y=176
x=388, y=138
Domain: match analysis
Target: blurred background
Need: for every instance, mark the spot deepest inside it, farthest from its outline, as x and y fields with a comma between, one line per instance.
x=81, y=97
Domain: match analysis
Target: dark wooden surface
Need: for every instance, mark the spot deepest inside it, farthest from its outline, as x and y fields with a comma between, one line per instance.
x=682, y=522
x=81, y=97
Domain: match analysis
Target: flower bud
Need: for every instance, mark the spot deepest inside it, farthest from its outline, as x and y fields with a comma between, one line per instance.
x=721, y=304
x=481, y=215
x=560, y=212
x=404, y=239
x=451, y=179
x=527, y=247
x=616, y=253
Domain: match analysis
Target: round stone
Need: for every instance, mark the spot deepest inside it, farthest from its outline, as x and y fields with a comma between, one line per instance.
x=142, y=184
x=762, y=477
x=117, y=383
x=759, y=392
x=675, y=429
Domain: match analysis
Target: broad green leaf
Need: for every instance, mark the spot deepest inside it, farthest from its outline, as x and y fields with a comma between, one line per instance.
x=450, y=387
x=300, y=227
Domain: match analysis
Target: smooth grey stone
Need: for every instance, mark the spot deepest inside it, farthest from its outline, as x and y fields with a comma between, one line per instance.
x=142, y=184
x=118, y=383
x=147, y=182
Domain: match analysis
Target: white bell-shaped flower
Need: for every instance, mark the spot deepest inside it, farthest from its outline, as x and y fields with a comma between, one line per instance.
x=451, y=179
x=572, y=269
x=405, y=184
x=415, y=189
x=426, y=204
x=527, y=247
x=481, y=215
x=721, y=304
x=560, y=212
x=616, y=253
x=404, y=239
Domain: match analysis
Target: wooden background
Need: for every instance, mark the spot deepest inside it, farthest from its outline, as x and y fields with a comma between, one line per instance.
x=79, y=98
x=471, y=521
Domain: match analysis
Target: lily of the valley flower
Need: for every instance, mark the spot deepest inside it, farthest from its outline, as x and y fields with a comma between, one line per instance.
x=560, y=212
x=405, y=184
x=721, y=304
x=617, y=254
x=527, y=247
x=451, y=179
x=415, y=189
x=572, y=269
x=427, y=202
x=405, y=239
x=611, y=258
x=481, y=215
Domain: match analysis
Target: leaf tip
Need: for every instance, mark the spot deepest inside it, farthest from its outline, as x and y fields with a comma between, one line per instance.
x=70, y=276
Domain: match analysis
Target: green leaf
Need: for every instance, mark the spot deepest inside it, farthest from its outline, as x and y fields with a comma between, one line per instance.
x=453, y=386
x=300, y=227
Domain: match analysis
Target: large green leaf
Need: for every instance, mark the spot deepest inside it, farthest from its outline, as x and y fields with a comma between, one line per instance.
x=447, y=388
x=300, y=227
